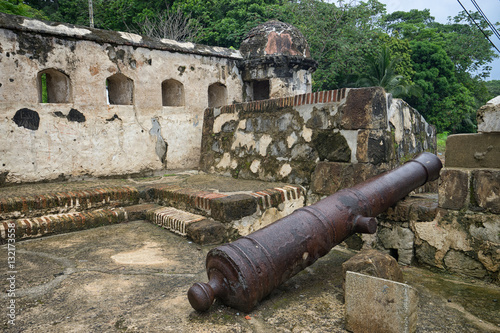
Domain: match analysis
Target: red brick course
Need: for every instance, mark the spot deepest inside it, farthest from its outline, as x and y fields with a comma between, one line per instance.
x=330, y=96
x=83, y=199
x=60, y=223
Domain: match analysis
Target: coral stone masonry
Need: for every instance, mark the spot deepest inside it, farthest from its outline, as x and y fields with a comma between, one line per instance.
x=79, y=103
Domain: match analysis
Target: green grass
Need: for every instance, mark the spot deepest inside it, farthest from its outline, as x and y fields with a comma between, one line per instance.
x=441, y=142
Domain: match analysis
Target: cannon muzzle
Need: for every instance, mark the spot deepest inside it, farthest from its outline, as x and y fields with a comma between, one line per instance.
x=245, y=271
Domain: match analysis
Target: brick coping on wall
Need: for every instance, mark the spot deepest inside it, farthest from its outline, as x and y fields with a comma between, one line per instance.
x=330, y=96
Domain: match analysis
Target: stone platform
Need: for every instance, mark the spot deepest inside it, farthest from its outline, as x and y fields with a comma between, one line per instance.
x=126, y=274
x=134, y=277
x=188, y=203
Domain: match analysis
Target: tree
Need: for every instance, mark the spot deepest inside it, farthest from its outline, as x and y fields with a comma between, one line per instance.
x=466, y=50
x=16, y=7
x=445, y=103
x=382, y=73
x=339, y=37
x=226, y=22
x=493, y=88
x=460, y=38
x=170, y=24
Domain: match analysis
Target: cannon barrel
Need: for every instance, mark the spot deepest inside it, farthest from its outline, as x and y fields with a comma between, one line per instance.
x=245, y=271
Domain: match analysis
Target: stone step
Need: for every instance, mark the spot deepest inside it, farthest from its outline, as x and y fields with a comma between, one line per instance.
x=14, y=207
x=187, y=212
x=196, y=227
x=212, y=203
x=173, y=219
x=59, y=223
x=223, y=206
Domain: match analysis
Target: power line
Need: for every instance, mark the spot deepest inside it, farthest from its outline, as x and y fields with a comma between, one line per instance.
x=492, y=27
x=477, y=25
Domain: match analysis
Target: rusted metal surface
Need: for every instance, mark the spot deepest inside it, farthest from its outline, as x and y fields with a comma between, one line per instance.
x=245, y=271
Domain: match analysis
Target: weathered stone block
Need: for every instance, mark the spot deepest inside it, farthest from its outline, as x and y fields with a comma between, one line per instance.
x=409, y=130
x=473, y=151
x=488, y=116
x=233, y=207
x=365, y=108
x=459, y=262
x=362, y=146
x=206, y=232
x=484, y=228
x=426, y=254
x=330, y=177
x=420, y=207
x=486, y=185
x=378, y=305
x=374, y=263
x=331, y=146
x=374, y=147
x=399, y=240
x=454, y=188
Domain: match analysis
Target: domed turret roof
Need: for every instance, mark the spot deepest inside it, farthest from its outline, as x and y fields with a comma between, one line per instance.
x=274, y=38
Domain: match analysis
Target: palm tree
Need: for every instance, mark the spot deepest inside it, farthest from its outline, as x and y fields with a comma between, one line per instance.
x=382, y=73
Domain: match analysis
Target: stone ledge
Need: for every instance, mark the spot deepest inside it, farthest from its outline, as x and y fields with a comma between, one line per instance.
x=173, y=219
x=456, y=185
x=233, y=207
x=204, y=201
x=60, y=223
x=139, y=212
x=473, y=151
x=80, y=200
x=206, y=232
x=421, y=207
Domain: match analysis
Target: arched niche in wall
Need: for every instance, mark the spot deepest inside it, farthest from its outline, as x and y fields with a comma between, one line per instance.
x=217, y=95
x=120, y=90
x=53, y=86
x=172, y=92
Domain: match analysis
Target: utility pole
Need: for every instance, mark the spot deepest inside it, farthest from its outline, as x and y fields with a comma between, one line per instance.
x=91, y=14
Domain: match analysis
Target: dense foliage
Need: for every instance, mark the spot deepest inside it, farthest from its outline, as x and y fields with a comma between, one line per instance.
x=438, y=68
x=493, y=88
x=17, y=7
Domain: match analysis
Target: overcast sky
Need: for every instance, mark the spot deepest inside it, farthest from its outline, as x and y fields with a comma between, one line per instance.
x=442, y=9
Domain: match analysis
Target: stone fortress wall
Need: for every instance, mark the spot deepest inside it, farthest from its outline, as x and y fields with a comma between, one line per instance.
x=119, y=104
x=457, y=229
x=326, y=140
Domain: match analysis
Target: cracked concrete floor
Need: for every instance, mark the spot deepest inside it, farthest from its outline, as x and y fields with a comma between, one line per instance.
x=134, y=277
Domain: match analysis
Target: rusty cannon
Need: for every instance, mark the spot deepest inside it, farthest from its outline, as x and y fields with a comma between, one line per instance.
x=245, y=271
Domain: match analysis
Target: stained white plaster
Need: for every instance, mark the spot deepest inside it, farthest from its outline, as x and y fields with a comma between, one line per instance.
x=255, y=166
x=61, y=29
